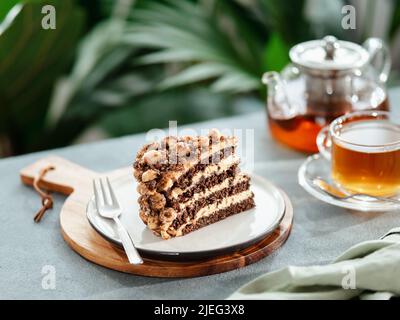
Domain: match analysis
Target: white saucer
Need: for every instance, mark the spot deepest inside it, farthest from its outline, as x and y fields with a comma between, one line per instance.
x=231, y=234
x=317, y=167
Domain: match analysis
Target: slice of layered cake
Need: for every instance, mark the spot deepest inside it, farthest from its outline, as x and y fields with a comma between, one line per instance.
x=186, y=183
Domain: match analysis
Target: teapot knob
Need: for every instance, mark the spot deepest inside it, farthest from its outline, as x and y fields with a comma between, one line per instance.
x=331, y=44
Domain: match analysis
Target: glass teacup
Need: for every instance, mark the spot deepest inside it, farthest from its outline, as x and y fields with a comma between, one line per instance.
x=364, y=151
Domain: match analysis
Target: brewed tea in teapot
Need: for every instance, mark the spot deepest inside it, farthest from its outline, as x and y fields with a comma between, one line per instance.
x=326, y=79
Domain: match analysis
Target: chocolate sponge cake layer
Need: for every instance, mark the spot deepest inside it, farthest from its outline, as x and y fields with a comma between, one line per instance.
x=190, y=181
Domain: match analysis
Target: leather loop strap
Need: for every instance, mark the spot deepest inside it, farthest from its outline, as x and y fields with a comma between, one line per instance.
x=47, y=200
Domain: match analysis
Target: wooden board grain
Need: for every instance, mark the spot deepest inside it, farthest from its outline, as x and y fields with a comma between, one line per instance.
x=76, y=182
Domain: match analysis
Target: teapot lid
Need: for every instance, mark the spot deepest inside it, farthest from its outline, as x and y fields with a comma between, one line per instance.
x=329, y=54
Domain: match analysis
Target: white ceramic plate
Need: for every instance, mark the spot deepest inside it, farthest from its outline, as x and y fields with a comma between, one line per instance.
x=317, y=167
x=233, y=233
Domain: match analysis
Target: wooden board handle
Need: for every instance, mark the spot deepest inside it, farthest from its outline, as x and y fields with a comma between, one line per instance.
x=65, y=178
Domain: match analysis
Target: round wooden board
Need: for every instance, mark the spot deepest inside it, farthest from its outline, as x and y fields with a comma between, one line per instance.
x=75, y=181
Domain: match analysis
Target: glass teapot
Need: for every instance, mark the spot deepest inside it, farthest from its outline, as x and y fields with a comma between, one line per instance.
x=326, y=79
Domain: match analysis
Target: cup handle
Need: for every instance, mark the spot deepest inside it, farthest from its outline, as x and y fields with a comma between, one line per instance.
x=324, y=143
x=375, y=47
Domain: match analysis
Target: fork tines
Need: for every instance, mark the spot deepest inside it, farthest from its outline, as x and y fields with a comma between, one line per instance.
x=104, y=193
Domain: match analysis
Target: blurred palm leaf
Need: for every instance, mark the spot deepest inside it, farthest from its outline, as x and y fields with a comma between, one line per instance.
x=127, y=65
x=285, y=19
x=394, y=27
x=5, y=7
x=112, y=86
x=31, y=58
x=98, y=55
x=154, y=111
x=187, y=32
x=102, y=79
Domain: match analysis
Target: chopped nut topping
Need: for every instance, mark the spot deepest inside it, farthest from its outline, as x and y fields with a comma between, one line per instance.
x=165, y=183
x=188, y=139
x=176, y=192
x=137, y=174
x=168, y=215
x=149, y=175
x=157, y=201
x=143, y=190
x=214, y=135
x=169, y=142
x=165, y=235
x=152, y=146
x=154, y=157
x=203, y=142
x=152, y=222
x=171, y=231
x=182, y=149
x=143, y=216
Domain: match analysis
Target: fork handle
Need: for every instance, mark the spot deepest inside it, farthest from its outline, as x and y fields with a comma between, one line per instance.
x=130, y=250
x=390, y=200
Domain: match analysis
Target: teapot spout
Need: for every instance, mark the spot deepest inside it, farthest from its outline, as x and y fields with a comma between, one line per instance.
x=278, y=104
x=270, y=77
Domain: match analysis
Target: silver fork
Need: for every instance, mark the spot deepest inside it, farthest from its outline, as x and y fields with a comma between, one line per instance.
x=108, y=207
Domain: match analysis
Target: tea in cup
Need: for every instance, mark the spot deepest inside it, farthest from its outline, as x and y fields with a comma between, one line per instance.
x=364, y=151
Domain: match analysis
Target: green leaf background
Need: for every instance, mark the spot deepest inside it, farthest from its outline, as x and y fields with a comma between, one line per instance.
x=5, y=7
x=31, y=59
x=126, y=66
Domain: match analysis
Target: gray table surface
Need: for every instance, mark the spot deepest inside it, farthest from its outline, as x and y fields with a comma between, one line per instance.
x=320, y=231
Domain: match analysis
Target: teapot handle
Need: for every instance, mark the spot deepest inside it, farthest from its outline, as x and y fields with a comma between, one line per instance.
x=278, y=103
x=376, y=47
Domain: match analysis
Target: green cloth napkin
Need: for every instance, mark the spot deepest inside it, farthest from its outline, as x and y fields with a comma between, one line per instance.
x=369, y=270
